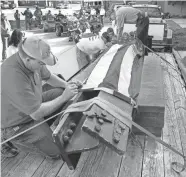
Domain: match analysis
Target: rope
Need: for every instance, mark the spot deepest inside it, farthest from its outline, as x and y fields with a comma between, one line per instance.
x=21, y=133
x=162, y=58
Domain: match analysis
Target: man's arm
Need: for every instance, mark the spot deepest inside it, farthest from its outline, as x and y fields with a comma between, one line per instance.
x=49, y=107
x=55, y=81
x=119, y=32
x=23, y=13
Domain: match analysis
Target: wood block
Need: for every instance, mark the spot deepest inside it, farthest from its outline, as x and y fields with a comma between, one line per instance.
x=150, y=102
x=113, y=134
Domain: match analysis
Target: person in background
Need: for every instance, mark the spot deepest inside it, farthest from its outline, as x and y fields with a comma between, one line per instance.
x=28, y=18
x=17, y=18
x=49, y=15
x=102, y=14
x=5, y=34
x=142, y=25
x=125, y=15
x=112, y=35
x=97, y=9
x=38, y=14
x=87, y=47
x=60, y=15
x=15, y=39
x=92, y=11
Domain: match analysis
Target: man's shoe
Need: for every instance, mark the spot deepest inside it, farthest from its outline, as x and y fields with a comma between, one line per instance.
x=7, y=151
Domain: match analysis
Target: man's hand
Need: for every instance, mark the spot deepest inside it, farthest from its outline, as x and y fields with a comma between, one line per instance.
x=109, y=44
x=77, y=83
x=70, y=91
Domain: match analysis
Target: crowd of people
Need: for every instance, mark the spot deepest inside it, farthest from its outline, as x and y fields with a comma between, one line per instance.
x=24, y=103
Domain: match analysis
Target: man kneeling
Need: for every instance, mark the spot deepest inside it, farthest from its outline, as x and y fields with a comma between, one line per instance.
x=24, y=104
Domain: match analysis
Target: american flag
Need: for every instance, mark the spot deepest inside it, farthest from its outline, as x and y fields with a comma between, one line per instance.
x=118, y=70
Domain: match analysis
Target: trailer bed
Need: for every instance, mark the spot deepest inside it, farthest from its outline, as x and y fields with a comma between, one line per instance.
x=144, y=157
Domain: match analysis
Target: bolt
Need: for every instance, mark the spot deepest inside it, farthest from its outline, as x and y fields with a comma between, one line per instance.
x=101, y=121
x=69, y=132
x=116, y=139
x=97, y=128
x=66, y=139
x=72, y=125
x=104, y=113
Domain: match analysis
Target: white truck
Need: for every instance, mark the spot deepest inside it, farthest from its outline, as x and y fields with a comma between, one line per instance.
x=161, y=34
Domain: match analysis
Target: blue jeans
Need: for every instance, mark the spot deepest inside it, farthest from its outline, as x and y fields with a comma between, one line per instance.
x=38, y=140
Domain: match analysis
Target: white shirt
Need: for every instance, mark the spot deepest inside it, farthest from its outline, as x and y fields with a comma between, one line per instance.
x=11, y=50
x=93, y=12
x=102, y=11
x=91, y=45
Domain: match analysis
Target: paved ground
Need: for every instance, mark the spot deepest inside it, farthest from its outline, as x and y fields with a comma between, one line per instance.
x=64, y=50
x=181, y=22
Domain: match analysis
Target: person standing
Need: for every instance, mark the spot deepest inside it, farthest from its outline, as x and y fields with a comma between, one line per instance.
x=28, y=18
x=17, y=18
x=93, y=11
x=125, y=15
x=5, y=34
x=38, y=14
x=142, y=25
x=102, y=14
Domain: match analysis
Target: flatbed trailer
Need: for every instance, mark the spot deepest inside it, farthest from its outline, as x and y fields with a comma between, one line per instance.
x=143, y=157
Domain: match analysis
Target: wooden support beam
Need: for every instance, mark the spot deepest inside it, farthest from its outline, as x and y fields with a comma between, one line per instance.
x=150, y=102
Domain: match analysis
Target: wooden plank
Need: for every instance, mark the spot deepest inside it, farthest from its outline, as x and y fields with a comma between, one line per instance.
x=49, y=168
x=131, y=165
x=151, y=84
x=27, y=167
x=151, y=104
x=170, y=131
x=10, y=164
x=102, y=163
x=153, y=164
x=65, y=172
x=179, y=100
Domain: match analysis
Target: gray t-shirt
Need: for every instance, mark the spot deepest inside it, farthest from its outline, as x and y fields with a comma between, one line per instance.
x=126, y=15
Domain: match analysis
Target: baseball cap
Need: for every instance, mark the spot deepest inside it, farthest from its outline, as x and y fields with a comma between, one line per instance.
x=38, y=49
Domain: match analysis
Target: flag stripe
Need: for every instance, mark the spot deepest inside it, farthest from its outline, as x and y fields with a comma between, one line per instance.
x=101, y=69
x=114, y=70
x=125, y=71
x=112, y=78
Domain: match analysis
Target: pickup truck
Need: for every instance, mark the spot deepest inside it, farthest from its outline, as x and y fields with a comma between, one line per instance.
x=161, y=34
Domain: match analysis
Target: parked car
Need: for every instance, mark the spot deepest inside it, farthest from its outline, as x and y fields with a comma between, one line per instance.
x=7, y=5
x=60, y=6
x=162, y=35
x=158, y=29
